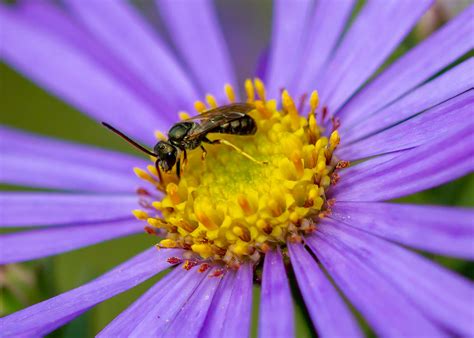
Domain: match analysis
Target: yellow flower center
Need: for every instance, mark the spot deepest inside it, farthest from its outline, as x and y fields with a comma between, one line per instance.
x=230, y=209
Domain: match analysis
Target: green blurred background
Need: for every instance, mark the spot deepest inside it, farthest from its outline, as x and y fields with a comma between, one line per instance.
x=247, y=26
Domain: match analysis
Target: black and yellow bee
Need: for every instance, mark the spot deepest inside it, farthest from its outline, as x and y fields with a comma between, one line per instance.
x=190, y=134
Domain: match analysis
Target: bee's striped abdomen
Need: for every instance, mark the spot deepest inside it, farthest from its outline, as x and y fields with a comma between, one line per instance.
x=243, y=126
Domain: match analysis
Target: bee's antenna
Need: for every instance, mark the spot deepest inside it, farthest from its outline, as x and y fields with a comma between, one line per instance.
x=129, y=140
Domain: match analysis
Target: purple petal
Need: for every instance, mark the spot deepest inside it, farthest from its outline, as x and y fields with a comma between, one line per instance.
x=119, y=27
x=423, y=128
x=445, y=231
x=135, y=314
x=220, y=304
x=447, y=86
x=325, y=29
x=190, y=319
x=36, y=209
x=197, y=35
x=418, y=65
x=44, y=317
x=427, y=166
x=46, y=16
x=231, y=308
x=290, y=21
x=73, y=75
x=276, y=306
x=58, y=164
x=386, y=310
x=330, y=315
x=32, y=244
x=377, y=30
x=162, y=314
x=441, y=295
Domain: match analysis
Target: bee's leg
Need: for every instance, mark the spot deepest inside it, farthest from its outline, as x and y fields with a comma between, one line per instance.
x=185, y=159
x=160, y=176
x=178, y=168
x=204, y=153
x=237, y=149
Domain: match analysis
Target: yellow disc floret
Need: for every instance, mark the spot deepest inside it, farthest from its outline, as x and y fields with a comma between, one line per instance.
x=230, y=209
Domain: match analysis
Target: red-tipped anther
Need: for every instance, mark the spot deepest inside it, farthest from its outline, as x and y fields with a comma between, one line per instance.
x=143, y=191
x=150, y=230
x=217, y=273
x=174, y=260
x=302, y=102
x=188, y=264
x=325, y=112
x=336, y=123
x=331, y=202
x=203, y=267
x=334, y=178
x=342, y=164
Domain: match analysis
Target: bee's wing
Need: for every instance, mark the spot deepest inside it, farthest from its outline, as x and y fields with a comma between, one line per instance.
x=217, y=117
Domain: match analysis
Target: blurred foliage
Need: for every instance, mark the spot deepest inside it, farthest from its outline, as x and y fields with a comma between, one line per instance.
x=24, y=105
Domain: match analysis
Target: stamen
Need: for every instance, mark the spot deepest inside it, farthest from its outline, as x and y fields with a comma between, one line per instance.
x=211, y=101
x=260, y=88
x=200, y=106
x=229, y=92
x=249, y=89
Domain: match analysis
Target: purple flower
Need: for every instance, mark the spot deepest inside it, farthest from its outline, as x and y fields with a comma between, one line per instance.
x=409, y=128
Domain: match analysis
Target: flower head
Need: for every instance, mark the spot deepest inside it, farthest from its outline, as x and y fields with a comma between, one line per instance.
x=274, y=195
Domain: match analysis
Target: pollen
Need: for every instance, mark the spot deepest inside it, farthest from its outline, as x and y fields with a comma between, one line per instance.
x=228, y=209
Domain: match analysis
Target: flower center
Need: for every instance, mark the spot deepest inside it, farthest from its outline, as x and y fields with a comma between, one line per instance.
x=227, y=208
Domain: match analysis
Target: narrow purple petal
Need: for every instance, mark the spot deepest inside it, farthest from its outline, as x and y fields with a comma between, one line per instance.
x=276, y=305
x=220, y=304
x=441, y=295
x=324, y=31
x=418, y=65
x=119, y=27
x=330, y=315
x=124, y=324
x=450, y=84
x=197, y=35
x=44, y=317
x=424, y=167
x=386, y=310
x=423, y=128
x=55, y=21
x=32, y=244
x=290, y=21
x=445, y=231
x=58, y=164
x=162, y=314
x=20, y=209
x=190, y=319
x=76, y=77
x=231, y=308
x=377, y=30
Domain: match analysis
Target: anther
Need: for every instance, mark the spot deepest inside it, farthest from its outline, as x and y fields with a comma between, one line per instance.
x=260, y=88
x=203, y=267
x=200, y=106
x=160, y=136
x=334, y=178
x=229, y=91
x=140, y=214
x=250, y=90
x=342, y=164
x=188, y=264
x=183, y=115
x=174, y=260
x=211, y=101
x=217, y=273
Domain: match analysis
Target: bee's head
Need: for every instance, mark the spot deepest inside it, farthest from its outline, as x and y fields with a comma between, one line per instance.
x=166, y=155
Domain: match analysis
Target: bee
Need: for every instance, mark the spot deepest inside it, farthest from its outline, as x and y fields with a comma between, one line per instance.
x=191, y=133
